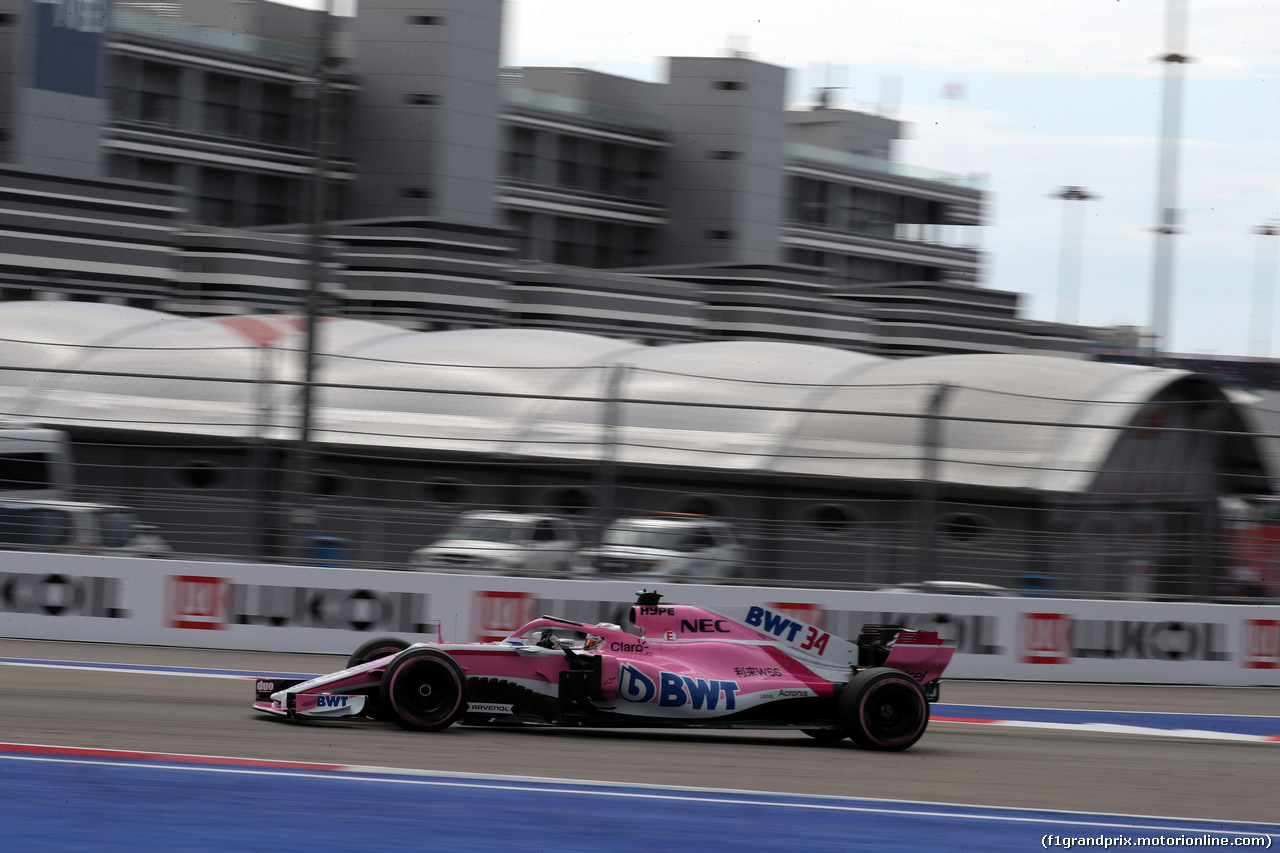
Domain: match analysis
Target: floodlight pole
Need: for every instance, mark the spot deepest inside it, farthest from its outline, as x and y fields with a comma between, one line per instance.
x=303, y=512
x=1264, y=273
x=1167, y=213
x=1070, y=251
x=926, y=550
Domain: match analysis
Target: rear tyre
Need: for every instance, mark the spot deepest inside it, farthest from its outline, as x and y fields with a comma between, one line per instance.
x=378, y=647
x=423, y=690
x=884, y=709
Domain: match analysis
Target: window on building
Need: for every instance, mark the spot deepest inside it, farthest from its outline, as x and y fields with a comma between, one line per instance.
x=806, y=257
x=272, y=207
x=276, y=114
x=568, y=167
x=217, y=197
x=644, y=178
x=810, y=201
x=521, y=222
x=157, y=171
x=522, y=147
x=873, y=212
x=158, y=102
x=641, y=251
x=564, y=245
x=608, y=182
x=604, y=253
x=222, y=104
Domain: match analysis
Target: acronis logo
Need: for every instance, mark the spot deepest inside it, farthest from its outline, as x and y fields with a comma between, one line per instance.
x=677, y=691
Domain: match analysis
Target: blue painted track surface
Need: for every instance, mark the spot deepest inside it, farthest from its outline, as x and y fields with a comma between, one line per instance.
x=64, y=804
x=1261, y=726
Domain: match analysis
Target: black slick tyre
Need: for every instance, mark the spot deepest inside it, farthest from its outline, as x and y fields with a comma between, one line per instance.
x=884, y=709
x=378, y=647
x=423, y=690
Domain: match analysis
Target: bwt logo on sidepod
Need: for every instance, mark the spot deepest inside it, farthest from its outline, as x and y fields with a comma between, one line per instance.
x=634, y=685
x=676, y=691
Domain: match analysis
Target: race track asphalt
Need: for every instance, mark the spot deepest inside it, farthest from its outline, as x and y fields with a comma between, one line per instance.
x=954, y=762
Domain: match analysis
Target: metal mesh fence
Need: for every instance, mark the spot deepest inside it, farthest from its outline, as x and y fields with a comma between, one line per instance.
x=1118, y=485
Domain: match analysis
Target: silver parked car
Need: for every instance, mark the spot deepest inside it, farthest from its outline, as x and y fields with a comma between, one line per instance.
x=79, y=528
x=670, y=545
x=502, y=541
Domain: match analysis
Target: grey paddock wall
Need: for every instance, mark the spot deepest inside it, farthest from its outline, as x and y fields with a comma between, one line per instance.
x=281, y=608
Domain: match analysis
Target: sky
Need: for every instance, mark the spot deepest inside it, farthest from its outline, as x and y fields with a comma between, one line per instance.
x=1052, y=94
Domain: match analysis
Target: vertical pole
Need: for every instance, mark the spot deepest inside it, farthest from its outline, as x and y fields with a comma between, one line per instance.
x=264, y=506
x=1264, y=272
x=1167, y=214
x=608, y=472
x=1070, y=251
x=926, y=549
x=303, y=515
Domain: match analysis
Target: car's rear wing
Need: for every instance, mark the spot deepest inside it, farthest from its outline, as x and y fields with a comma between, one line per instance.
x=920, y=654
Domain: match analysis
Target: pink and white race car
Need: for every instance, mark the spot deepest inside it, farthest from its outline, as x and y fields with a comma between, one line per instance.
x=681, y=666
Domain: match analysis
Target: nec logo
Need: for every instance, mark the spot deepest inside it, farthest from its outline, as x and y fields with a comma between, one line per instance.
x=704, y=626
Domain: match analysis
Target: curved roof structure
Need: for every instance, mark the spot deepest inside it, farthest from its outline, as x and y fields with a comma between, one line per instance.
x=1010, y=421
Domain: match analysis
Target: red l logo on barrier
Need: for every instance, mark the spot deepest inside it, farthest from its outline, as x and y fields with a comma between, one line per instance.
x=1045, y=637
x=198, y=602
x=1260, y=644
x=496, y=614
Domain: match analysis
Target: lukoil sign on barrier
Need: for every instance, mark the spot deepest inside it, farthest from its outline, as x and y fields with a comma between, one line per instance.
x=309, y=609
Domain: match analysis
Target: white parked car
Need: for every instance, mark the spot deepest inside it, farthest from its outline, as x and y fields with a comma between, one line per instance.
x=667, y=545
x=79, y=528
x=502, y=541
x=950, y=588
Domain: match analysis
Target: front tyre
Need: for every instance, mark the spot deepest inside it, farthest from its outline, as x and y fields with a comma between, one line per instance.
x=423, y=690
x=378, y=647
x=884, y=709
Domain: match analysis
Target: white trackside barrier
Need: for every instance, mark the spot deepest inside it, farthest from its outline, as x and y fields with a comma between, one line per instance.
x=307, y=609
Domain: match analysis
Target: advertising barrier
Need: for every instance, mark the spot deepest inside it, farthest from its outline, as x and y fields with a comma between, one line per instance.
x=332, y=610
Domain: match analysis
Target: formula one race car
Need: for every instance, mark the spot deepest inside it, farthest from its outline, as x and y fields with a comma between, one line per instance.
x=683, y=666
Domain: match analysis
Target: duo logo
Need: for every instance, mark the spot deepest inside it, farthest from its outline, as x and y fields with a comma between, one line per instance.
x=676, y=691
